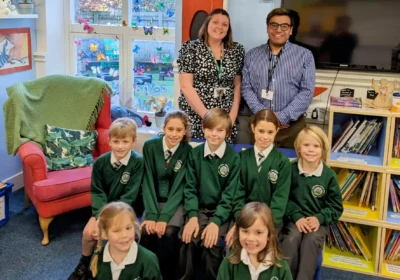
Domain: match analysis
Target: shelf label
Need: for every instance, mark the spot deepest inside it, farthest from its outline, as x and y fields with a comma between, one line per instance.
x=361, y=213
x=2, y=208
x=347, y=260
x=352, y=160
x=395, y=216
x=392, y=268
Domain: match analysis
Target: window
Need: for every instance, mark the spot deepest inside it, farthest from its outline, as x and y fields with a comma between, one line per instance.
x=128, y=43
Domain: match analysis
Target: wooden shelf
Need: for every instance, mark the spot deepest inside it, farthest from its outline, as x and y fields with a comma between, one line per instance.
x=19, y=16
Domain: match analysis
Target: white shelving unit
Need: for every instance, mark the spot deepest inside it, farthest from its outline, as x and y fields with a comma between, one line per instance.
x=19, y=16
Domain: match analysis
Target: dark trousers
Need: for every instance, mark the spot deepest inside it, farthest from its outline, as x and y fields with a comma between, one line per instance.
x=286, y=136
x=198, y=262
x=166, y=248
x=302, y=250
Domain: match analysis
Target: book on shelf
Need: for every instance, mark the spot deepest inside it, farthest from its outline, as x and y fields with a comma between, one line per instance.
x=346, y=101
x=396, y=140
x=394, y=194
x=392, y=245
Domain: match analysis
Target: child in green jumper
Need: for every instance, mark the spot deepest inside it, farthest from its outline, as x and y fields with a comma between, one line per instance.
x=315, y=202
x=122, y=258
x=265, y=171
x=211, y=178
x=163, y=182
x=255, y=253
x=116, y=175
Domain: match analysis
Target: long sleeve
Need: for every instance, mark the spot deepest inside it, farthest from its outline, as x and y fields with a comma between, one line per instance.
x=133, y=186
x=223, y=271
x=149, y=192
x=224, y=207
x=191, y=204
x=334, y=204
x=303, y=99
x=152, y=269
x=293, y=211
x=280, y=196
x=99, y=197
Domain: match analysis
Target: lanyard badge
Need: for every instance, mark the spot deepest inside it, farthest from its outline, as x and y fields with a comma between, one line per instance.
x=218, y=91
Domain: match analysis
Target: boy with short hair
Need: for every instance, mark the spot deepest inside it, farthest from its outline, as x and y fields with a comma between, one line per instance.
x=211, y=178
x=116, y=176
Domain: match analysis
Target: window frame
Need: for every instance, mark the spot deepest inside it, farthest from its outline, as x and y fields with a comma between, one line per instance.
x=126, y=36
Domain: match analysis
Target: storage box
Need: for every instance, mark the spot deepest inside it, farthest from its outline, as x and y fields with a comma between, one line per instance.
x=4, y=203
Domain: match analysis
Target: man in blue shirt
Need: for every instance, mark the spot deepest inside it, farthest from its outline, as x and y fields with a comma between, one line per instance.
x=280, y=76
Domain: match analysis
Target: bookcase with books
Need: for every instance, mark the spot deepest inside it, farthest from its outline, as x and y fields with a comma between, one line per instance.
x=365, y=154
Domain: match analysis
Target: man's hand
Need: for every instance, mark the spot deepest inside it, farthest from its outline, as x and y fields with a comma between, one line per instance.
x=302, y=226
x=160, y=228
x=313, y=223
x=190, y=230
x=210, y=235
x=229, y=236
x=150, y=227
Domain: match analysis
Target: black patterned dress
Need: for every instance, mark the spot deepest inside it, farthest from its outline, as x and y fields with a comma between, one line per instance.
x=194, y=57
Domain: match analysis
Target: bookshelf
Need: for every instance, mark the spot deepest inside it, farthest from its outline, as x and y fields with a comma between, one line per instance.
x=382, y=159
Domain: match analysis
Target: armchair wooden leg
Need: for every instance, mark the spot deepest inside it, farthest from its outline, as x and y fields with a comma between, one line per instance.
x=27, y=200
x=44, y=225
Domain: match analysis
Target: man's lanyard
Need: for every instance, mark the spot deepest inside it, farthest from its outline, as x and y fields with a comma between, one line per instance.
x=220, y=66
x=272, y=66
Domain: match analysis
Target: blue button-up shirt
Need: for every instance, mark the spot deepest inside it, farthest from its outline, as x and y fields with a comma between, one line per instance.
x=293, y=81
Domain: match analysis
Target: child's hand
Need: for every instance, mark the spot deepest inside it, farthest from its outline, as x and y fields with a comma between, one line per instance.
x=150, y=226
x=313, y=223
x=95, y=229
x=229, y=236
x=210, y=235
x=302, y=225
x=160, y=228
x=191, y=229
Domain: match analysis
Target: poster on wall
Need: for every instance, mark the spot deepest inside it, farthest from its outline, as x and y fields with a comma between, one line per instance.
x=15, y=50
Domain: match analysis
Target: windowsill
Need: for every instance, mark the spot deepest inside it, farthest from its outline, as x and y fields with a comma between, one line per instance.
x=153, y=129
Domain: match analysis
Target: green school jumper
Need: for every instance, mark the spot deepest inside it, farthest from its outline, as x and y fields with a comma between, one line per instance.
x=162, y=183
x=229, y=271
x=271, y=185
x=145, y=267
x=211, y=183
x=315, y=196
x=109, y=184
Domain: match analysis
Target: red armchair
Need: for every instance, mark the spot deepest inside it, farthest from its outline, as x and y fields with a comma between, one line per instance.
x=57, y=192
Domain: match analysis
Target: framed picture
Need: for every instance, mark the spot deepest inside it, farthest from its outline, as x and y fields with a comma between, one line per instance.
x=15, y=50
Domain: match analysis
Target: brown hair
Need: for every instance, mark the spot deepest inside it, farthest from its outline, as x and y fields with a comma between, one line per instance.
x=265, y=115
x=185, y=120
x=247, y=217
x=122, y=127
x=108, y=216
x=280, y=12
x=203, y=33
x=217, y=116
x=316, y=133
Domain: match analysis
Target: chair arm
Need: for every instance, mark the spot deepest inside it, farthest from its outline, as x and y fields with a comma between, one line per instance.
x=102, y=145
x=33, y=157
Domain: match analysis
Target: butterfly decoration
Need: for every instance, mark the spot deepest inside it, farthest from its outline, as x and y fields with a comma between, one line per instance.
x=113, y=72
x=159, y=49
x=170, y=13
x=165, y=31
x=161, y=5
x=148, y=30
x=101, y=56
x=78, y=43
x=139, y=19
x=87, y=27
x=96, y=70
x=140, y=70
x=80, y=54
x=136, y=9
x=135, y=26
x=166, y=57
x=136, y=2
x=136, y=49
x=154, y=60
x=93, y=47
x=170, y=72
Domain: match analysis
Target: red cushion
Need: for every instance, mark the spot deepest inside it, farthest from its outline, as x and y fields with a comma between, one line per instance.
x=63, y=183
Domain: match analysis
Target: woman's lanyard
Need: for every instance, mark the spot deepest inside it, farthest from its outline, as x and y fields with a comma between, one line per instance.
x=220, y=66
x=272, y=66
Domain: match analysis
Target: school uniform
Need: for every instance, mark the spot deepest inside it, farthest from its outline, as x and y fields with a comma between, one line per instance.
x=114, y=180
x=244, y=270
x=265, y=176
x=139, y=263
x=163, y=183
x=211, y=180
x=316, y=194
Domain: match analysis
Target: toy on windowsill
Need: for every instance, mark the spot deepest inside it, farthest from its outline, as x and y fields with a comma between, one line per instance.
x=158, y=104
x=12, y=8
x=4, y=10
x=384, y=90
x=145, y=121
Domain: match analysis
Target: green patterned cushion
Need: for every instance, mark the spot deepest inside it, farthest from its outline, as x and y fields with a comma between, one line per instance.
x=67, y=148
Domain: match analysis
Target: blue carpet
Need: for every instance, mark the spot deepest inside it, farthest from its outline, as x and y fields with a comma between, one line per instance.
x=22, y=257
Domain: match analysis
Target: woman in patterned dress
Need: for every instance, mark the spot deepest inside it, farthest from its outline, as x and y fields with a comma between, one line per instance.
x=210, y=72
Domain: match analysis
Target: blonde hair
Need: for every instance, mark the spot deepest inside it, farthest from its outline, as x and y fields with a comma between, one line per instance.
x=247, y=217
x=203, y=33
x=121, y=128
x=185, y=120
x=107, y=217
x=215, y=117
x=316, y=133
